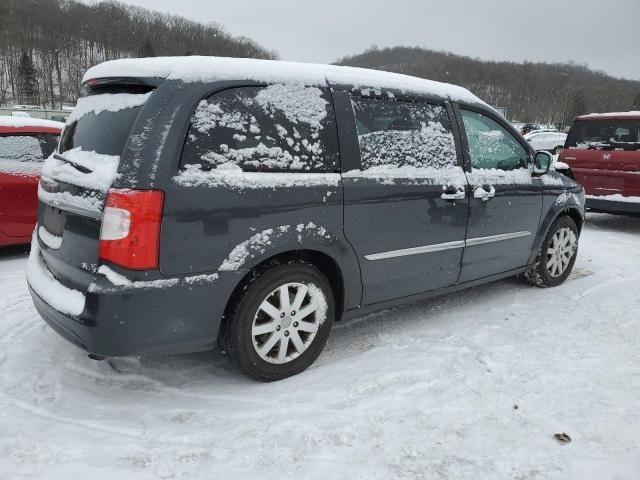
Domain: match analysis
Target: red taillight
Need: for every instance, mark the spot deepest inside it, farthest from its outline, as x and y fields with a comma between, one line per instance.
x=130, y=234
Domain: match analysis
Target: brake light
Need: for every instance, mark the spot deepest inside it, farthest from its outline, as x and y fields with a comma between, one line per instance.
x=130, y=233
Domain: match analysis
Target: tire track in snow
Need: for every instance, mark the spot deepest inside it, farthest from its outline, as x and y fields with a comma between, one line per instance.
x=93, y=426
x=159, y=388
x=606, y=286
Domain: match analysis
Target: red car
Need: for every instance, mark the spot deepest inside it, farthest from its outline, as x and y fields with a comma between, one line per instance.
x=24, y=144
x=603, y=152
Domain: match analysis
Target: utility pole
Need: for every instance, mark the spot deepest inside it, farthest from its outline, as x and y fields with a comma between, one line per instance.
x=566, y=99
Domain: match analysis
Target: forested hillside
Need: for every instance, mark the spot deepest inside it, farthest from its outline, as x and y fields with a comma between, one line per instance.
x=47, y=45
x=541, y=92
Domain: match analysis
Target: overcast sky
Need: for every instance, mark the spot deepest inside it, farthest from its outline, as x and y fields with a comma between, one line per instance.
x=605, y=34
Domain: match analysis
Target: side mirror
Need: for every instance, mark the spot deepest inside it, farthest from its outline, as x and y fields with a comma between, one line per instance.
x=542, y=162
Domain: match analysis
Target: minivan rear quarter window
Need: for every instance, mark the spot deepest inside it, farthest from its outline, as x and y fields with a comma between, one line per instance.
x=278, y=128
x=399, y=133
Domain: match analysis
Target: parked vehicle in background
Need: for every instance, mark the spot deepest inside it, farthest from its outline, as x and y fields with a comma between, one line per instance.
x=528, y=127
x=252, y=203
x=27, y=107
x=20, y=114
x=547, y=140
x=24, y=144
x=603, y=152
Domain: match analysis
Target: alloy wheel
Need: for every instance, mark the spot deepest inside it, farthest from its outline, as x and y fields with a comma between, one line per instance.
x=287, y=321
x=560, y=251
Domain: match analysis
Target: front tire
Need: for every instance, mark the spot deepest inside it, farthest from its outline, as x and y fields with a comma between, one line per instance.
x=282, y=322
x=557, y=255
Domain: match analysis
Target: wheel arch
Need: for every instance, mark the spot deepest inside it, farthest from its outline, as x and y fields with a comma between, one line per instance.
x=572, y=211
x=324, y=262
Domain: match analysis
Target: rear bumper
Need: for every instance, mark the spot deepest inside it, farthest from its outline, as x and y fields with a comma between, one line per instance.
x=612, y=206
x=125, y=321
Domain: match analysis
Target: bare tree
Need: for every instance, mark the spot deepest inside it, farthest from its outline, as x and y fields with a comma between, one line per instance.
x=63, y=38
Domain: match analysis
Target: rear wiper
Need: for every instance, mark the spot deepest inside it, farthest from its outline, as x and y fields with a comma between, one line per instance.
x=75, y=165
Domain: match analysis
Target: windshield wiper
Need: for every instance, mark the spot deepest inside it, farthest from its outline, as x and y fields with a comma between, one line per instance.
x=80, y=168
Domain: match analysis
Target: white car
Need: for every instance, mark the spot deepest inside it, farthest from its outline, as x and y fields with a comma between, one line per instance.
x=549, y=140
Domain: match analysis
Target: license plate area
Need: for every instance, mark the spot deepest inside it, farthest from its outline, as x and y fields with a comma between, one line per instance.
x=54, y=220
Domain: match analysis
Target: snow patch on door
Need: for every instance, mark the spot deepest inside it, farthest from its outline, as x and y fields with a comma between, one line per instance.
x=258, y=243
x=232, y=177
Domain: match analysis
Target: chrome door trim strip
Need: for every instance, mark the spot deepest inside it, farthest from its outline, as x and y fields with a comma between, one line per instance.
x=496, y=238
x=438, y=247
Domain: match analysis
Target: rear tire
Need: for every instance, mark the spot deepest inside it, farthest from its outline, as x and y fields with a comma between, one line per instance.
x=557, y=255
x=282, y=322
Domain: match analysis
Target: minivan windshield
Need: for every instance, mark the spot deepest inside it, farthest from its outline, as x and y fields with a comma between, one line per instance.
x=605, y=135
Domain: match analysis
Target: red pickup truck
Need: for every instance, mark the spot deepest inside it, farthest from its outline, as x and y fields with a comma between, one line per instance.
x=24, y=144
x=603, y=152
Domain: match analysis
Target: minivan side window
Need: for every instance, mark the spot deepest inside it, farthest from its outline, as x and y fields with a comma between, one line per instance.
x=278, y=128
x=490, y=145
x=399, y=133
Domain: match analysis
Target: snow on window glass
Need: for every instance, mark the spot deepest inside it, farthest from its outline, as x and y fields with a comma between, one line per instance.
x=22, y=154
x=403, y=134
x=490, y=145
x=260, y=129
x=21, y=148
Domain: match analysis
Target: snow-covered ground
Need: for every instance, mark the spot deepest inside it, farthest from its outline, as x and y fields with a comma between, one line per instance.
x=473, y=385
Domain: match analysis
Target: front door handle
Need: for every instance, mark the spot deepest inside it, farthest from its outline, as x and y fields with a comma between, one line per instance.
x=483, y=194
x=458, y=194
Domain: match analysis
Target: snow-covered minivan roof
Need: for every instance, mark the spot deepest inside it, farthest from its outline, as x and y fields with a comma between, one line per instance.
x=212, y=69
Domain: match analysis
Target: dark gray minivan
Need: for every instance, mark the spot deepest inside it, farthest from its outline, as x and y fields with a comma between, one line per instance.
x=200, y=201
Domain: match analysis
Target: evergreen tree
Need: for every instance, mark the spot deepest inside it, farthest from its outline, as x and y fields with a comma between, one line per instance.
x=635, y=106
x=578, y=106
x=147, y=49
x=27, y=81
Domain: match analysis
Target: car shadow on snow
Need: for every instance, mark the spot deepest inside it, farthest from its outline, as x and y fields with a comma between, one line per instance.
x=614, y=223
x=14, y=252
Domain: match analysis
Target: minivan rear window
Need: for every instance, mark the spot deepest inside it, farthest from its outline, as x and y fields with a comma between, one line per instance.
x=104, y=133
x=605, y=134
